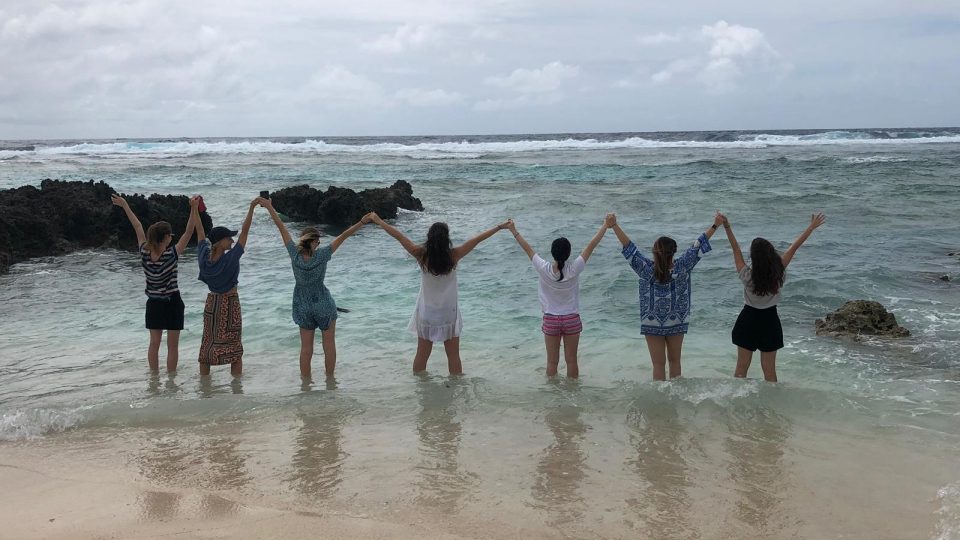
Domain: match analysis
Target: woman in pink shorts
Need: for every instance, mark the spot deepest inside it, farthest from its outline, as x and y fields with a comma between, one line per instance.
x=559, y=293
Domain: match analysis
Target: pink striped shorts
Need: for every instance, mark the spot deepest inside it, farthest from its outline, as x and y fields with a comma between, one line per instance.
x=561, y=325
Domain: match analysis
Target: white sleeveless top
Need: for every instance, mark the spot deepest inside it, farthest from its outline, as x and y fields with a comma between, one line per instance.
x=437, y=316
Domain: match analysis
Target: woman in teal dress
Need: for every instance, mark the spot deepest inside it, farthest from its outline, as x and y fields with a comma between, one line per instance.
x=313, y=306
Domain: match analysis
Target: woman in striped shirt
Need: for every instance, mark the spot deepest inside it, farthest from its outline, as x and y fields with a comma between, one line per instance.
x=159, y=260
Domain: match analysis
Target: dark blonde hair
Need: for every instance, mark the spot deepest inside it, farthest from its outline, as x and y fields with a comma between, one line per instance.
x=156, y=233
x=307, y=238
x=663, y=250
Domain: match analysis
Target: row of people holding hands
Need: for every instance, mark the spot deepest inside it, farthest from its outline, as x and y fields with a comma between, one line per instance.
x=664, y=292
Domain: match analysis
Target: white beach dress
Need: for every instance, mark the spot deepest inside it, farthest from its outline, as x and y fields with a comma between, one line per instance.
x=437, y=316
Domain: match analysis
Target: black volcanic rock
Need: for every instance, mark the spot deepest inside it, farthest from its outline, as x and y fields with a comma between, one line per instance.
x=61, y=217
x=343, y=206
x=859, y=318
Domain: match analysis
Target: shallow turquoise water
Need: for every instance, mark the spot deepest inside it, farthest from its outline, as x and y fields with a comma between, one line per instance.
x=72, y=345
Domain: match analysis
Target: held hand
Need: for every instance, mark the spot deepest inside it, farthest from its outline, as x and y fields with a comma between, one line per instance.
x=118, y=200
x=505, y=225
x=610, y=220
x=718, y=219
x=817, y=220
x=194, y=202
x=367, y=218
x=375, y=218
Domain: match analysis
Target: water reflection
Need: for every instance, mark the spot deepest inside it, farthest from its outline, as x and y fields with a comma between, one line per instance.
x=561, y=468
x=208, y=389
x=158, y=385
x=755, y=447
x=319, y=456
x=658, y=435
x=212, y=463
x=441, y=483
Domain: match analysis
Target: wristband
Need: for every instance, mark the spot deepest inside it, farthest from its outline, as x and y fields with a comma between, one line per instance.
x=714, y=226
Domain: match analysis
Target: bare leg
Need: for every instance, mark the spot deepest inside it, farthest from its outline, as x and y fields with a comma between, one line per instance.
x=424, y=347
x=744, y=357
x=204, y=369
x=768, y=363
x=236, y=368
x=553, y=353
x=657, y=345
x=452, y=348
x=173, y=349
x=674, y=346
x=330, y=348
x=307, y=336
x=153, y=350
x=570, y=344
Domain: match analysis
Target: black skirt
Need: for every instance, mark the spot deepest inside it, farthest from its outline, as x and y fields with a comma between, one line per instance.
x=758, y=329
x=165, y=313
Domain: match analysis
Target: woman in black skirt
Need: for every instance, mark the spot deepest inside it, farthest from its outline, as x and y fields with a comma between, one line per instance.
x=758, y=326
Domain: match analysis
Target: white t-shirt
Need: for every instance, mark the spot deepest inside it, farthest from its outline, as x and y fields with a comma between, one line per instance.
x=752, y=299
x=559, y=297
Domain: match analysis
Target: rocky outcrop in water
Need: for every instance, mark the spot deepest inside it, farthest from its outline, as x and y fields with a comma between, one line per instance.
x=342, y=206
x=860, y=318
x=61, y=217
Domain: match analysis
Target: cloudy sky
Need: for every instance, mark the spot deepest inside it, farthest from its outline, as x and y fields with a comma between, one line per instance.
x=168, y=68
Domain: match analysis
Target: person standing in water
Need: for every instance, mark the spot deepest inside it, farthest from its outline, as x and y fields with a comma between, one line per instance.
x=159, y=260
x=559, y=294
x=665, y=294
x=313, y=306
x=758, y=325
x=437, y=315
x=219, y=262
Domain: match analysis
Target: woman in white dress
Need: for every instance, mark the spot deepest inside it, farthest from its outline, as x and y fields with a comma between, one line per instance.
x=437, y=316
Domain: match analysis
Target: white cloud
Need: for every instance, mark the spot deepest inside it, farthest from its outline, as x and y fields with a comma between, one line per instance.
x=405, y=38
x=335, y=85
x=549, y=78
x=428, y=98
x=660, y=38
x=732, y=52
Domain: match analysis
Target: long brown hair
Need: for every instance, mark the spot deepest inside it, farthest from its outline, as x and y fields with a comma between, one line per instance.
x=663, y=250
x=156, y=233
x=437, y=255
x=307, y=238
x=766, y=268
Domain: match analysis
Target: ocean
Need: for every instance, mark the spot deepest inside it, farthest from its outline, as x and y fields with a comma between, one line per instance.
x=859, y=439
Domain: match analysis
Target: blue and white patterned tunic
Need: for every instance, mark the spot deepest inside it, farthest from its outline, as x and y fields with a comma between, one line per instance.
x=665, y=307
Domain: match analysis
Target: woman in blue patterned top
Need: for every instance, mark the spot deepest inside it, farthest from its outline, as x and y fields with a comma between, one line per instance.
x=313, y=306
x=665, y=294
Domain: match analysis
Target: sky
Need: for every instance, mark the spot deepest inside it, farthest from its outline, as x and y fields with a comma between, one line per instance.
x=221, y=68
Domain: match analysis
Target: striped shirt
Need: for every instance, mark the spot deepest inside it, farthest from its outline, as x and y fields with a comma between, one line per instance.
x=161, y=274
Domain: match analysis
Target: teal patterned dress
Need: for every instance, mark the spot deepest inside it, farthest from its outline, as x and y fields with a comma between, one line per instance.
x=313, y=306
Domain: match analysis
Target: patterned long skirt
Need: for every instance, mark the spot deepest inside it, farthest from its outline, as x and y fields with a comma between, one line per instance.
x=222, y=330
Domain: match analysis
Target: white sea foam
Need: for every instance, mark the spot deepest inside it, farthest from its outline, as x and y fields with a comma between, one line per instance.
x=948, y=527
x=465, y=149
x=31, y=423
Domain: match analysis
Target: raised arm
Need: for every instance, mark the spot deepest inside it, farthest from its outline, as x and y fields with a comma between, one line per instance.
x=197, y=223
x=717, y=221
x=464, y=249
x=595, y=241
x=737, y=254
x=523, y=243
x=137, y=226
x=412, y=248
x=621, y=236
x=245, y=228
x=284, y=233
x=816, y=220
x=350, y=232
x=191, y=224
